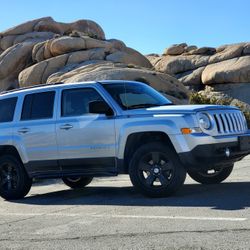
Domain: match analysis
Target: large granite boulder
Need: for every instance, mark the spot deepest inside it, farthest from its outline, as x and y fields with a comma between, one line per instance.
x=180, y=64
x=176, y=49
x=192, y=77
x=13, y=61
x=44, y=51
x=47, y=24
x=17, y=44
x=227, y=65
x=236, y=70
x=205, y=65
x=39, y=72
x=102, y=70
x=129, y=56
x=66, y=44
x=239, y=91
x=45, y=43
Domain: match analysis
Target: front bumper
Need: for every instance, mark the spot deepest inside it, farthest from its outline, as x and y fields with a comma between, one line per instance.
x=208, y=156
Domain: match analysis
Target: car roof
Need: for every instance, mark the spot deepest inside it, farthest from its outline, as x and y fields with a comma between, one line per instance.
x=56, y=85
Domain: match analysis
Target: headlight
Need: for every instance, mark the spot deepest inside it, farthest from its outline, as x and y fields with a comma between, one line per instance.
x=204, y=121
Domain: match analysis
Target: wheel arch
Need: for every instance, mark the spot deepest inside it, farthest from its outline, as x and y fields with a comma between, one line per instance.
x=10, y=150
x=137, y=139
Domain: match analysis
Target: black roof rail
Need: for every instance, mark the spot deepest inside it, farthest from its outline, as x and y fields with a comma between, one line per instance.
x=30, y=87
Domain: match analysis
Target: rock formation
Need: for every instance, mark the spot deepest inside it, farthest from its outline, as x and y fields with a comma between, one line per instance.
x=45, y=51
x=226, y=68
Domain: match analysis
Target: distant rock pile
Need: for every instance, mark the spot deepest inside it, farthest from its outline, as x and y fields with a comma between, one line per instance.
x=226, y=68
x=44, y=51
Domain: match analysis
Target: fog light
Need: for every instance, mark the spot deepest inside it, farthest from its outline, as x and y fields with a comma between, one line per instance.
x=227, y=152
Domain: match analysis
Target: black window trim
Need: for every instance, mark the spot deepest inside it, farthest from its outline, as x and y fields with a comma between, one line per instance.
x=35, y=119
x=80, y=88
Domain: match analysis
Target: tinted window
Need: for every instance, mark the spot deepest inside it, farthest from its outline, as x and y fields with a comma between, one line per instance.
x=38, y=106
x=75, y=102
x=7, y=109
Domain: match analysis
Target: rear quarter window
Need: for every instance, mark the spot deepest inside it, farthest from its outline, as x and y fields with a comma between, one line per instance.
x=7, y=109
x=38, y=106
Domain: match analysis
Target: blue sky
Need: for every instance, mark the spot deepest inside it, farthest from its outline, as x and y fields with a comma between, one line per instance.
x=146, y=25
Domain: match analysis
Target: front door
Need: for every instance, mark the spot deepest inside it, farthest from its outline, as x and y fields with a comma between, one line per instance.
x=86, y=141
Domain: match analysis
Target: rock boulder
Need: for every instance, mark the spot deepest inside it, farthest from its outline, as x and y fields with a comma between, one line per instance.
x=102, y=70
x=225, y=64
x=43, y=50
x=236, y=70
x=226, y=68
x=176, y=49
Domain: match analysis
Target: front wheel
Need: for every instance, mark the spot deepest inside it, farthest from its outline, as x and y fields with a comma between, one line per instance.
x=155, y=170
x=213, y=176
x=77, y=182
x=14, y=181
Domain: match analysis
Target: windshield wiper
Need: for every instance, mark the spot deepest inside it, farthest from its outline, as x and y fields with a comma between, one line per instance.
x=147, y=105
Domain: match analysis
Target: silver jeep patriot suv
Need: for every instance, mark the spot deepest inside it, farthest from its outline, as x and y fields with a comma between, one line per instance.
x=79, y=131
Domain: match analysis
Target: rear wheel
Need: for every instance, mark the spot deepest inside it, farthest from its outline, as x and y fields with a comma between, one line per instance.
x=14, y=181
x=155, y=170
x=77, y=182
x=213, y=176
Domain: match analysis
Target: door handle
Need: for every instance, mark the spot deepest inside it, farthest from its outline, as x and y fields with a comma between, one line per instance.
x=23, y=130
x=66, y=126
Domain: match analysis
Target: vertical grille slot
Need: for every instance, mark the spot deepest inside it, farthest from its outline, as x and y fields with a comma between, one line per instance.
x=221, y=128
x=240, y=122
x=217, y=123
x=222, y=123
x=232, y=121
x=229, y=122
x=225, y=123
x=236, y=122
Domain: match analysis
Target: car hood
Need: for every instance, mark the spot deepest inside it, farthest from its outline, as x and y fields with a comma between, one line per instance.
x=179, y=109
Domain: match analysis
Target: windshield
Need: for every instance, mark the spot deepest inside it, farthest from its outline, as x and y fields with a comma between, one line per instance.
x=135, y=95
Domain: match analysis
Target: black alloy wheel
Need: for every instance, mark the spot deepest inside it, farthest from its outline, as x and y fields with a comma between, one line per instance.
x=9, y=177
x=14, y=181
x=155, y=170
x=212, y=176
x=77, y=182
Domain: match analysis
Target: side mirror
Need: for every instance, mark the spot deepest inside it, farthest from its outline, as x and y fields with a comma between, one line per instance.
x=100, y=107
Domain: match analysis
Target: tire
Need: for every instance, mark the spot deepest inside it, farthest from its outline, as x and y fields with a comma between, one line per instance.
x=14, y=180
x=155, y=170
x=77, y=182
x=211, y=178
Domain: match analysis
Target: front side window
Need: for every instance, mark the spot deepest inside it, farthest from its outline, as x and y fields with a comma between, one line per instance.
x=75, y=102
x=135, y=95
x=38, y=106
x=7, y=109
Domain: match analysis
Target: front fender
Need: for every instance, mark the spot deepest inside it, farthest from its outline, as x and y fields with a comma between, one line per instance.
x=170, y=127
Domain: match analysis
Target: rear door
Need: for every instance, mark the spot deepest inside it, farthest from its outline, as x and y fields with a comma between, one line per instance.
x=36, y=131
x=86, y=141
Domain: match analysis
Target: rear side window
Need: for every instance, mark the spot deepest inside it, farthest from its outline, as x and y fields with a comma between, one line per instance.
x=7, y=109
x=38, y=106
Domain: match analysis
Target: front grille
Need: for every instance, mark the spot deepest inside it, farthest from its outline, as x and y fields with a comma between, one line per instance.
x=230, y=122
